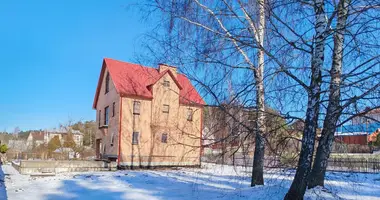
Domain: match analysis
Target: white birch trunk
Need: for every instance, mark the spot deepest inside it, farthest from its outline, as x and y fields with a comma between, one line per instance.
x=299, y=184
x=333, y=110
x=258, y=160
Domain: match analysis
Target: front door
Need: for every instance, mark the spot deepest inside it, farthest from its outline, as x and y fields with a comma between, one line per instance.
x=98, y=148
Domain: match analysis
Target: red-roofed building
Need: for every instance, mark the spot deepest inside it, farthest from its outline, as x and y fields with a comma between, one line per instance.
x=147, y=116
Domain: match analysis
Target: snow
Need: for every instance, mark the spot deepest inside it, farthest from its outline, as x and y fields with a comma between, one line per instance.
x=210, y=182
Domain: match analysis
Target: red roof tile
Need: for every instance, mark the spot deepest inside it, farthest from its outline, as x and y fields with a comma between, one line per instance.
x=38, y=135
x=134, y=80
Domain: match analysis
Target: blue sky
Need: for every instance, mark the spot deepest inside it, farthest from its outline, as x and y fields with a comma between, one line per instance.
x=51, y=53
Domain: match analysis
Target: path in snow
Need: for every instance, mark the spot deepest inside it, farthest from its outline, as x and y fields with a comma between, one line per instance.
x=211, y=182
x=3, y=192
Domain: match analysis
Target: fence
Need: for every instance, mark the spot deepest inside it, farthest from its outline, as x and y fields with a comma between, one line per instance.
x=49, y=156
x=343, y=164
x=37, y=156
x=371, y=165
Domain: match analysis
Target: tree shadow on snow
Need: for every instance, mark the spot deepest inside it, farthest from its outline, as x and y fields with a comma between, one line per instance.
x=144, y=185
x=70, y=189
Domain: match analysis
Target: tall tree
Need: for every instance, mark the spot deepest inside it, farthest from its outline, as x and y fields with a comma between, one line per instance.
x=299, y=184
x=360, y=78
x=333, y=109
x=258, y=159
x=221, y=38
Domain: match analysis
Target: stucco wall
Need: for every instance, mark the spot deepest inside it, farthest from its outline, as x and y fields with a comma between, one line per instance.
x=105, y=100
x=183, y=143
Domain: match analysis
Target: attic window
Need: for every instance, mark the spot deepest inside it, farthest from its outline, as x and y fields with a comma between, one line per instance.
x=165, y=108
x=166, y=83
x=136, y=107
x=189, y=114
x=107, y=82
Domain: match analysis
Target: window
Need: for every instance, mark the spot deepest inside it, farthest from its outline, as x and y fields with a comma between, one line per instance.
x=136, y=107
x=189, y=114
x=135, y=138
x=112, y=139
x=106, y=110
x=113, y=109
x=166, y=83
x=100, y=117
x=164, y=138
x=107, y=82
x=165, y=109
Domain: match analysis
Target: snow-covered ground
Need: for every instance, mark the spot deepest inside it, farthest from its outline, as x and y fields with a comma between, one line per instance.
x=210, y=182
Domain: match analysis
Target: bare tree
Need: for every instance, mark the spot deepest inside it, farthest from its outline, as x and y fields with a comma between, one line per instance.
x=299, y=184
x=332, y=114
x=337, y=105
x=221, y=37
x=217, y=45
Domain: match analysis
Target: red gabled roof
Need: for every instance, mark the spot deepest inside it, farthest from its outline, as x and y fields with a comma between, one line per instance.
x=134, y=80
x=38, y=135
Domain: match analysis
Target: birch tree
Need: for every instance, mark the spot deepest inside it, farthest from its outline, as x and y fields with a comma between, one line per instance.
x=258, y=159
x=225, y=39
x=299, y=184
x=337, y=105
x=333, y=109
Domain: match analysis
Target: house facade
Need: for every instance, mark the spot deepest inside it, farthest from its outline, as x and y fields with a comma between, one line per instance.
x=37, y=138
x=147, y=116
x=61, y=133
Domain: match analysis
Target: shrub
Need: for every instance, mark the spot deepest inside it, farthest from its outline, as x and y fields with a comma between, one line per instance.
x=3, y=148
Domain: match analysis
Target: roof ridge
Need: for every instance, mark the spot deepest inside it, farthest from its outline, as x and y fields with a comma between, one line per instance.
x=131, y=79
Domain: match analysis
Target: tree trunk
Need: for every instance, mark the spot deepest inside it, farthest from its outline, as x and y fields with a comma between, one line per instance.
x=299, y=184
x=317, y=176
x=258, y=159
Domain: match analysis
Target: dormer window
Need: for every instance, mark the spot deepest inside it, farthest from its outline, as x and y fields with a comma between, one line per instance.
x=166, y=83
x=107, y=82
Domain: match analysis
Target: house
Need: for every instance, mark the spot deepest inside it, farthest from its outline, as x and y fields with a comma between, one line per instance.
x=35, y=139
x=356, y=133
x=362, y=130
x=369, y=117
x=147, y=116
x=61, y=133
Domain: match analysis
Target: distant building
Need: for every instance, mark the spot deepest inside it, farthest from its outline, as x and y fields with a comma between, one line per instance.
x=363, y=130
x=37, y=138
x=147, y=116
x=370, y=117
x=77, y=135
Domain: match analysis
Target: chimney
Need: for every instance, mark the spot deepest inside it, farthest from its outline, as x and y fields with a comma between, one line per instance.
x=162, y=67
